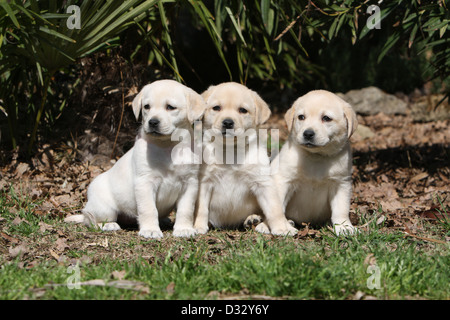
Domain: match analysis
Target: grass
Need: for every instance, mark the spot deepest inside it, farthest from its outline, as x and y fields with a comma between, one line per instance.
x=221, y=264
x=443, y=216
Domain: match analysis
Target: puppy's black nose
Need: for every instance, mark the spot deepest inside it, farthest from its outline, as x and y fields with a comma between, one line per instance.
x=153, y=123
x=228, y=124
x=309, y=134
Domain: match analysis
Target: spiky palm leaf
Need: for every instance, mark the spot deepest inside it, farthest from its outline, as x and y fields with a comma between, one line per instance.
x=35, y=33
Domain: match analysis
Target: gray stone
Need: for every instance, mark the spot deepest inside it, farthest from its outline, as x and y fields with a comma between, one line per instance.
x=363, y=132
x=371, y=100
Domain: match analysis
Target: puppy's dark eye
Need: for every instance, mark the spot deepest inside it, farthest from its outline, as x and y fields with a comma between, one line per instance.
x=301, y=117
x=216, y=108
x=243, y=110
x=147, y=106
x=169, y=107
x=326, y=119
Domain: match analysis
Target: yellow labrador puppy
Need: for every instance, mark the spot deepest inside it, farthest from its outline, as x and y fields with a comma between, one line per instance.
x=151, y=180
x=235, y=179
x=315, y=164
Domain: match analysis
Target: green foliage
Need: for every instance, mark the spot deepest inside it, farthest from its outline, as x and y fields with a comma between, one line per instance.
x=281, y=43
x=251, y=33
x=275, y=44
x=35, y=34
x=419, y=25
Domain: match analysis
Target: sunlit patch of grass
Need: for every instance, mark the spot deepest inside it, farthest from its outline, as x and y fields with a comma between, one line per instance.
x=377, y=262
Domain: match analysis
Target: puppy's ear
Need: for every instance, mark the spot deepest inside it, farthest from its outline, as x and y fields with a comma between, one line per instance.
x=137, y=105
x=196, y=107
x=262, y=109
x=352, y=120
x=206, y=94
x=289, y=117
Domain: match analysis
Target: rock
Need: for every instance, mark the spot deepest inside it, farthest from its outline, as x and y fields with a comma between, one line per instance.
x=371, y=100
x=363, y=132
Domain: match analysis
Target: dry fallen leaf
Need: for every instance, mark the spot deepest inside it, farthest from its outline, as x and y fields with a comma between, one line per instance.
x=17, y=221
x=54, y=254
x=381, y=219
x=44, y=226
x=170, y=288
x=370, y=259
x=21, y=169
x=418, y=177
x=391, y=205
x=304, y=232
x=119, y=275
x=104, y=243
x=358, y=295
x=18, y=251
x=61, y=244
x=9, y=238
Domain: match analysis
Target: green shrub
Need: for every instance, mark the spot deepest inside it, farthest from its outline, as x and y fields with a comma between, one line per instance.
x=36, y=42
x=270, y=45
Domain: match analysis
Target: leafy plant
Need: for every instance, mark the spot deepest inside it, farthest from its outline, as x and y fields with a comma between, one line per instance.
x=255, y=40
x=275, y=44
x=35, y=34
x=414, y=28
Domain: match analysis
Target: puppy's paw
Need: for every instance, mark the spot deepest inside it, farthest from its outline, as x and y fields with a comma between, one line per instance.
x=287, y=229
x=184, y=232
x=151, y=233
x=77, y=218
x=201, y=229
x=344, y=229
x=262, y=228
x=109, y=226
x=252, y=220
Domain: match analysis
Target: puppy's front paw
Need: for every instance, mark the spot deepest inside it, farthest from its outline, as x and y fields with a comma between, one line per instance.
x=77, y=218
x=201, y=229
x=184, y=232
x=109, y=226
x=151, y=233
x=252, y=220
x=344, y=229
x=287, y=229
x=262, y=228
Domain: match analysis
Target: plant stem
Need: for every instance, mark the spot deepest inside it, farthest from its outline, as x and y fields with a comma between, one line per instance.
x=12, y=127
x=41, y=110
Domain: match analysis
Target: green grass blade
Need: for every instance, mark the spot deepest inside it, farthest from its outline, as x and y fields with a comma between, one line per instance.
x=393, y=39
x=55, y=33
x=265, y=6
x=10, y=13
x=168, y=40
x=202, y=13
x=113, y=28
x=236, y=25
x=206, y=17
